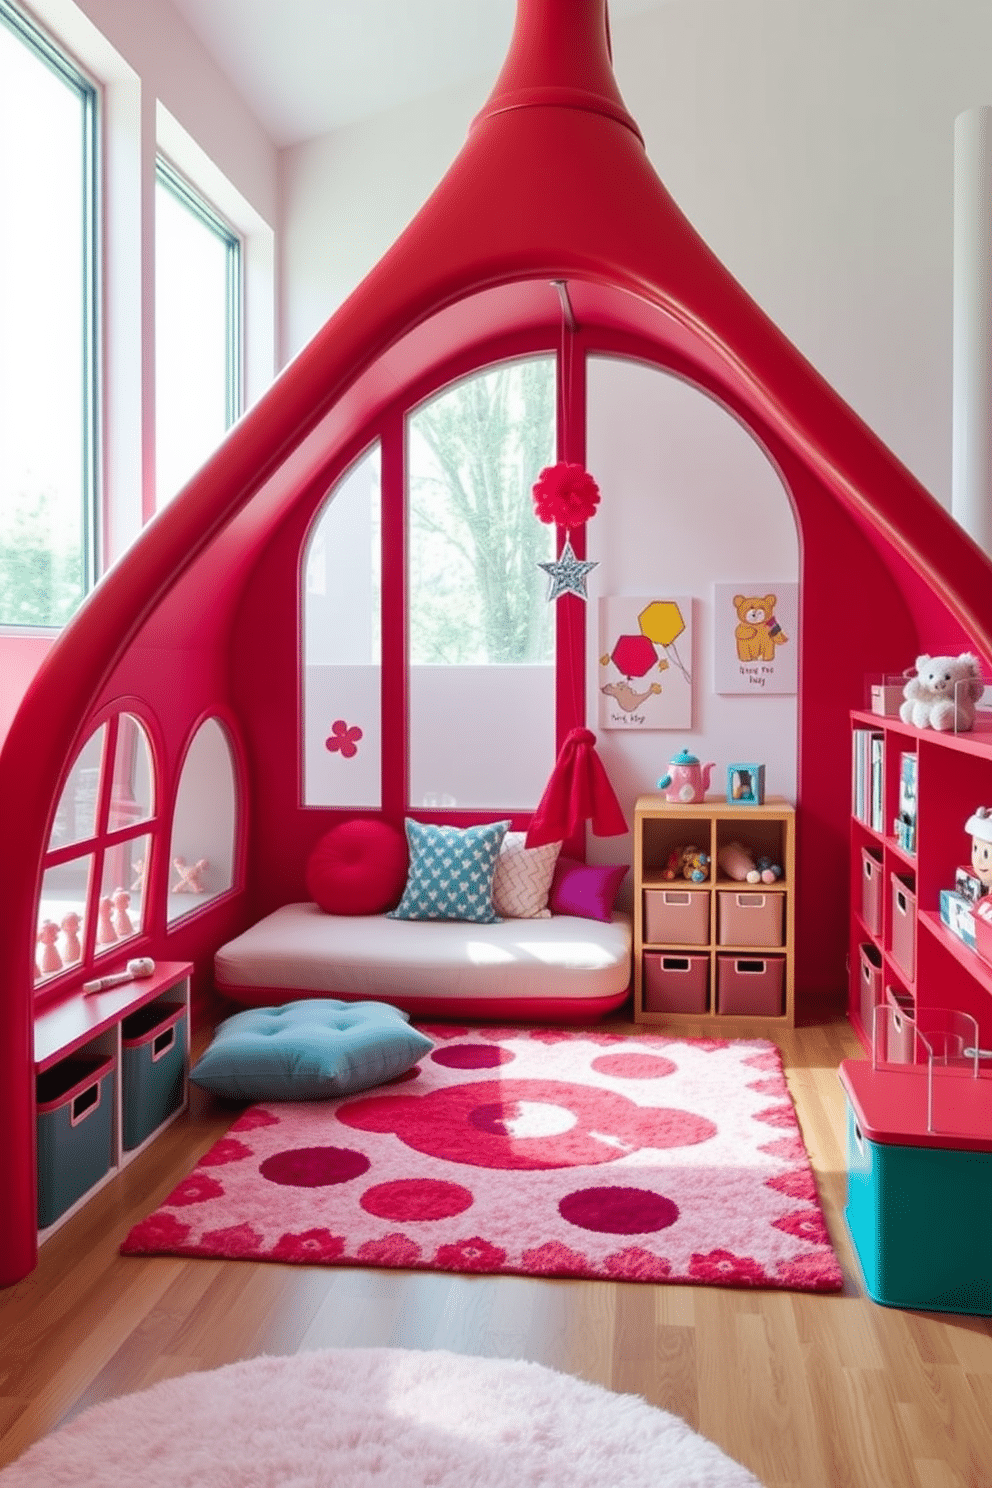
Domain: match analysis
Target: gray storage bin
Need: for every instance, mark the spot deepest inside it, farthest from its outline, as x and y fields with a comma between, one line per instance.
x=75, y=1123
x=153, y=1069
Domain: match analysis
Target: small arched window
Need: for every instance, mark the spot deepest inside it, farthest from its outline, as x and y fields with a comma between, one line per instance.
x=96, y=865
x=203, y=850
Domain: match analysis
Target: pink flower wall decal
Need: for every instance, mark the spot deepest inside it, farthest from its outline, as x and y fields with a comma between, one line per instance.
x=343, y=737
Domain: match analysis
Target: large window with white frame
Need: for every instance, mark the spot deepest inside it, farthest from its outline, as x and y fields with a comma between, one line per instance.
x=48, y=328
x=198, y=353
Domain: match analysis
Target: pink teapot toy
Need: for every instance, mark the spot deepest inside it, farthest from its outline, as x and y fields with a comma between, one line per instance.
x=687, y=780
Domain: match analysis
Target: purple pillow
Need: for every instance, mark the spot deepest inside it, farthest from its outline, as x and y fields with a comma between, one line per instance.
x=585, y=889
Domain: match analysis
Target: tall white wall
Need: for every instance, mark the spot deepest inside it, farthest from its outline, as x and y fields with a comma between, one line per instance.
x=810, y=142
x=154, y=43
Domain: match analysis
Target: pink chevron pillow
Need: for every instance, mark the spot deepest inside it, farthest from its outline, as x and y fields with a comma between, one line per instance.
x=523, y=878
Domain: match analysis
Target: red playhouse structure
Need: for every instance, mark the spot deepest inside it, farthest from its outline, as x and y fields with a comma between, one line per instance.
x=200, y=619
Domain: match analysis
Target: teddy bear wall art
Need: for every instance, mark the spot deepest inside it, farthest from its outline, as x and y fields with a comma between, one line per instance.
x=755, y=638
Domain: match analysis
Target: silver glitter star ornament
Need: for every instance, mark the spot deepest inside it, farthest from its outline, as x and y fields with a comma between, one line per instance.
x=567, y=573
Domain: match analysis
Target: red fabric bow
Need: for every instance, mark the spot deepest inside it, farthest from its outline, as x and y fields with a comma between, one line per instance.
x=579, y=790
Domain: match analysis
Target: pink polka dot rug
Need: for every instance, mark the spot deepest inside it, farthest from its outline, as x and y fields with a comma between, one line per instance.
x=535, y=1152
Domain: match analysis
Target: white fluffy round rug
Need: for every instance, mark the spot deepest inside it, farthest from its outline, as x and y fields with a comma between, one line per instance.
x=376, y=1418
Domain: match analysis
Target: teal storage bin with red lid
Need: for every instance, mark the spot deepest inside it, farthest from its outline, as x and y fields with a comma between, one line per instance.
x=919, y=1203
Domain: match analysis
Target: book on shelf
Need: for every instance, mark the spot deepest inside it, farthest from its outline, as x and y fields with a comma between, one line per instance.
x=877, y=778
x=905, y=823
x=868, y=776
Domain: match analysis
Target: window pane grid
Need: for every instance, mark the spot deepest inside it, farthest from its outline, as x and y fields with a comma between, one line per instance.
x=94, y=886
x=48, y=330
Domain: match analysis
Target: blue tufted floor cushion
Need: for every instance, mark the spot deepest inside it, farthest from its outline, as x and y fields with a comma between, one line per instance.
x=309, y=1050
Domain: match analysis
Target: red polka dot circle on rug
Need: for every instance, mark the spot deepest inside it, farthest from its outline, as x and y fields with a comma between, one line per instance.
x=634, y=1066
x=416, y=1198
x=314, y=1167
x=472, y=1056
x=618, y=1211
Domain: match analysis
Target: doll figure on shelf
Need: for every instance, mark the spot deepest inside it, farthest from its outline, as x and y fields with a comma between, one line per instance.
x=105, y=932
x=71, y=948
x=190, y=876
x=121, y=919
x=50, y=959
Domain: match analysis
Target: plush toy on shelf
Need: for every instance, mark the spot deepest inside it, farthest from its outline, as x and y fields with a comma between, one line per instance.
x=687, y=862
x=943, y=693
x=737, y=861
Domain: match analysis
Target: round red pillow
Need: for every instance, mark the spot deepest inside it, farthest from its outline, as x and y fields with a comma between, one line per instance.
x=358, y=868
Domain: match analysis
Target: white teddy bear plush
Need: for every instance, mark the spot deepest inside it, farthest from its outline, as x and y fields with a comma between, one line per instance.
x=943, y=693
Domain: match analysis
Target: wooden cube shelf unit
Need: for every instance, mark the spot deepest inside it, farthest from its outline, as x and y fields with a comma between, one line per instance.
x=719, y=949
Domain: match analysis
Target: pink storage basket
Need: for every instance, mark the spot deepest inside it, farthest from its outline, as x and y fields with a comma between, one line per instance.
x=870, y=984
x=750, y=985
x=674, y=983
x=904, y=925
x=677, y=916
x=871, y=891
x=900, y=1027
x=749, y=917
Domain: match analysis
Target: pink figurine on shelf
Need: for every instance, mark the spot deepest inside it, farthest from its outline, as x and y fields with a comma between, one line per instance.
x=190, y=876
x=71, y=950
x=105, y=932
x=121, y=919
x=50, y=959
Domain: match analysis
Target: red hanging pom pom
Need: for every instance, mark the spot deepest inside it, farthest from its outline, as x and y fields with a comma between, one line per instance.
x=565, y=494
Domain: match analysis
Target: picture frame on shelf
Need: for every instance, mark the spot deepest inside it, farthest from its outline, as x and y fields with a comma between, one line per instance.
x=745, y=784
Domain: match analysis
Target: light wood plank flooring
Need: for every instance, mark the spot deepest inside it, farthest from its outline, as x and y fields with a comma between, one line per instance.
x=806, y=1390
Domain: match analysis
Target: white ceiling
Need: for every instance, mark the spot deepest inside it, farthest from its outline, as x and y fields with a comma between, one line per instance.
x=306, y=67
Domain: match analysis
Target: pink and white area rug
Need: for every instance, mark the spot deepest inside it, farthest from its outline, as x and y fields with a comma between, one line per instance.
x=376, y=1418
x=535, y=1152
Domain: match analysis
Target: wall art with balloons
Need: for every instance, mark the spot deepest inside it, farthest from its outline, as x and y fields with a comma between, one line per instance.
x=645, y=662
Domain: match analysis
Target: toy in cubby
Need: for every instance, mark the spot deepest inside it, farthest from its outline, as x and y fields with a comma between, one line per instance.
x=966, y=909
x=688, y=862
x=971, y=919
x=739, y=863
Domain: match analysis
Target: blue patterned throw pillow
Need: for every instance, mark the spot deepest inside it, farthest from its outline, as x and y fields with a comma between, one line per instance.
x=451, y=873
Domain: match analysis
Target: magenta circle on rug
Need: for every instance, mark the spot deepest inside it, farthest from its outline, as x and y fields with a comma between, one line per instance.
x=618, y=1211
x=634, y=1066
x=416, y=1198
x=472, y=1056
x=314, y=1167
x=440, y=1124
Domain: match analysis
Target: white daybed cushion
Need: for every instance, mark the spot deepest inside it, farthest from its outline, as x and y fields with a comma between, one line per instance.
x=299, y=946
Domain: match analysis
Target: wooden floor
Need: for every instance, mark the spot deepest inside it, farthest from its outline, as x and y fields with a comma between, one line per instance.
x=818, y=1391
